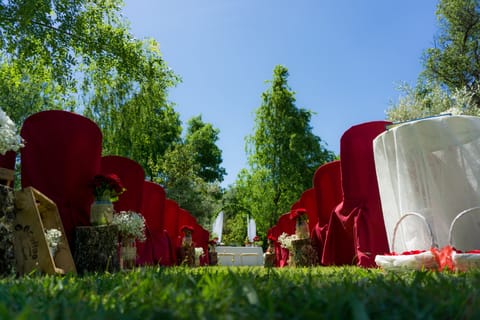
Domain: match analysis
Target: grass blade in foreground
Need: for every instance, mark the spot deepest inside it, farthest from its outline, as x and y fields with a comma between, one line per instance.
x=244, y=292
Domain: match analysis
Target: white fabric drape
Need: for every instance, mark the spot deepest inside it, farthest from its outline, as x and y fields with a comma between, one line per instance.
x=431, y=167
x=217, y=228
x=251, y=229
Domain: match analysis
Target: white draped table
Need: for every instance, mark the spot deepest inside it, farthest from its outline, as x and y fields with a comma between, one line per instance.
x=430, y=167
x=239, y=256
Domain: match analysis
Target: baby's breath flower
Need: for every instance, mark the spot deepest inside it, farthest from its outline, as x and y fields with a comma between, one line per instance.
x=130, y=224
x=9, y=139
x=198, y=252
x=53, y=236
x=286, y=240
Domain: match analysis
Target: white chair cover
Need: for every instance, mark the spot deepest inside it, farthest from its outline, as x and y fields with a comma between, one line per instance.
x=431, y=167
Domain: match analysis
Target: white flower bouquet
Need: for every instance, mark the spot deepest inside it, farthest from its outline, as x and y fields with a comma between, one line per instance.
x=130, y=224
x=198, y=252
x=53, y=236
x=286, y=240
x=10, y=140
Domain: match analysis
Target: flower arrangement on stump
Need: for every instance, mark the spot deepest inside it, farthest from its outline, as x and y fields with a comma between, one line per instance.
x=301, y=251
x=131, y=227
x=106, y=190
x=301, y=223
x=212, y=253
x=186, y=254
x=269, y=258
x=271, y=244
x=212, y=244
x=10, y=142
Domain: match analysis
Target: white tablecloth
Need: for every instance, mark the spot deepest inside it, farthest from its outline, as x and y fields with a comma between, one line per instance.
x=239, y=256
x=432, y=167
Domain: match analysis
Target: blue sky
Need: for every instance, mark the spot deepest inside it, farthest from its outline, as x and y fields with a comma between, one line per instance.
x=345, y=59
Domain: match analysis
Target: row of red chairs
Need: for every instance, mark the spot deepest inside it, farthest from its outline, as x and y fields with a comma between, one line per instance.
x=343, y=207
x=62, y=154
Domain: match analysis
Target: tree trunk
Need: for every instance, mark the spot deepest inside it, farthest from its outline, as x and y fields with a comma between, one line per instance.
x=7, y=219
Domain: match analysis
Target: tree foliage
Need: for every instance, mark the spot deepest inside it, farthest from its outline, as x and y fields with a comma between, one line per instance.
x=26, y=88
x=454, y=61
x=283, y=153
x=450, y=80
x=202, y=139
x=429, y=100
x=80, y=56
x=191, y=171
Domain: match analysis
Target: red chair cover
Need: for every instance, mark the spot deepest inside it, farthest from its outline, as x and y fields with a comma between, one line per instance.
x=328, y=194
x=157, y=248
x=308, y=202
x=61, y=156
x=185, y=218
x=8, y=160
x=171, y=224
x=200, y=236
x=132, y=176
x=356, y=231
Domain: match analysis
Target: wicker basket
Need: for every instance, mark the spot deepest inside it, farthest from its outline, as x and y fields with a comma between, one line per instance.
x=468, y=260
x=411, y=260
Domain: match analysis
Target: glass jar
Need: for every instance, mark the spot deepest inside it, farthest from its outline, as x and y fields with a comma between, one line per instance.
x=301, y=228
x=128, y=253
x=101, y=212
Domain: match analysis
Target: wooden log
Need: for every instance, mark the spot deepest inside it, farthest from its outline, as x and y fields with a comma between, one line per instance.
x=186, y=255
x=7, y=176
x=96, y=249
x=36, y=213
x=213, y=258
x=7, y=220
x=269, y=260
x=303, y=254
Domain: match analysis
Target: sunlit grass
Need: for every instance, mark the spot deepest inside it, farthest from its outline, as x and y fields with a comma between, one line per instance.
x=244, y=292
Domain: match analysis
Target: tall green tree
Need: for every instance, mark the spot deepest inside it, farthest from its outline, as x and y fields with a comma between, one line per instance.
x=454, y=61
x=283, y=153
x=191, y=172
x=202, y=138
x=80, y=56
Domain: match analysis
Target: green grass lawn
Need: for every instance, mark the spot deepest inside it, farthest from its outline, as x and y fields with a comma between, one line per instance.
x=244, y=293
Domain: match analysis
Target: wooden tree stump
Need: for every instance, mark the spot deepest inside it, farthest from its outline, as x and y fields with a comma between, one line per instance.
x=96, y=249
x=6, y=177
x=186, y=256
x=269, y=260
x=213, y=258
x=303, y=254
x=7, y=220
